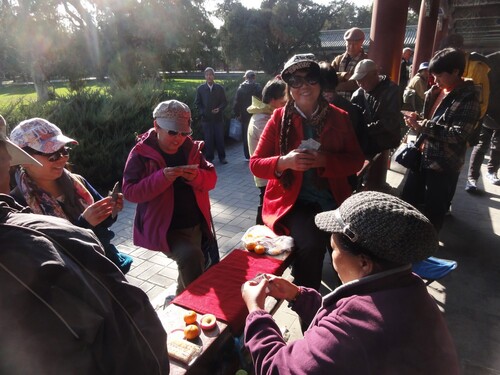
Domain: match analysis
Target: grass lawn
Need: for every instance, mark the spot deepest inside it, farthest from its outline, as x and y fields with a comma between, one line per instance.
x=15, y=92
x=12, y=93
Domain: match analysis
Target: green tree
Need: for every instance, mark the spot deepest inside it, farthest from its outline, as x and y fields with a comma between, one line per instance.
x=129, y=40
x=346, y=14
x=264, y=38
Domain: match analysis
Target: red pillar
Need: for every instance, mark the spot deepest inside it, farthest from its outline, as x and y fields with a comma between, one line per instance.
x=425, y=33
x=387, y=35
x=441, y=32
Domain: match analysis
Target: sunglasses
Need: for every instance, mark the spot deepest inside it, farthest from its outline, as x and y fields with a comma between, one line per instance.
x=298, y=81
x=53, y=156
x=174, y=133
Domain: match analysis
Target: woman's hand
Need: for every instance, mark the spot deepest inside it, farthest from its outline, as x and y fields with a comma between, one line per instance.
x=117, y=204
x=298, y=160
x=189, y=174
x=319, y=158
x=171, y=173
x=281, y=288
x=411, y=120
x=254, y=294
x=99, y=211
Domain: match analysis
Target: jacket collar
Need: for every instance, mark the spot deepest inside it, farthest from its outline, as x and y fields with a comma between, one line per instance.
x=366, y=284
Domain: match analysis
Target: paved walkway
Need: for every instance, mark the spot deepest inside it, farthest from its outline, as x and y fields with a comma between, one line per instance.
x=469, y=297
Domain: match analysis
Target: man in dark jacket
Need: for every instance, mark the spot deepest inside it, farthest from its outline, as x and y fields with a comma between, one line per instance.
x=404, y=74
x=242, y=101
x=211, y=101
x=379, y=99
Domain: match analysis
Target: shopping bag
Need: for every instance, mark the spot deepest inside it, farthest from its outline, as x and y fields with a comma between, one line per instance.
x=235, y=129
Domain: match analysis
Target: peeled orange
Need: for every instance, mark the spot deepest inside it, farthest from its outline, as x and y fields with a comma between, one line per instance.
x=208, y=322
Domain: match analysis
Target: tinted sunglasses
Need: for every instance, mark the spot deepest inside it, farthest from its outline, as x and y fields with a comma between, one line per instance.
x=298, y=81
x=173, y=133
x=53, y=156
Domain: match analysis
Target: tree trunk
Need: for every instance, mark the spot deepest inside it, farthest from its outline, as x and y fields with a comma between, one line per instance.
x=40, y=81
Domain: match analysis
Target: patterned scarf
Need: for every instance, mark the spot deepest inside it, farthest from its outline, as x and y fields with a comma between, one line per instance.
x=317, y=122
x=76, y=196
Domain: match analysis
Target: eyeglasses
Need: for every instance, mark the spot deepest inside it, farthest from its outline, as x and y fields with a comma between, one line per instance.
x=298, y=81
x=53, y=156
x=173, y=133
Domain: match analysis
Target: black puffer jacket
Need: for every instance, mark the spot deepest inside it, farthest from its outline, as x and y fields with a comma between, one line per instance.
x=65, y=308
x=381, y=109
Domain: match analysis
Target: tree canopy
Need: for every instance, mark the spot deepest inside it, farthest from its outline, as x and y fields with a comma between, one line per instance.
x=264, y=38
x=132, y=40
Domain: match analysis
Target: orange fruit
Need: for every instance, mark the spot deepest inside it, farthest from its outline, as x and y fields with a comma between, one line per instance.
x=190, y=317
x=251, y=246
x=259, y=249
x=191, y=331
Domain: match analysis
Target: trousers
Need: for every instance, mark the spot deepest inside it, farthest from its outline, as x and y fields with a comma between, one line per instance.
x=487, y=138
x=310, y=244
x=213, y=134
x=431, y=192
x=185, y=250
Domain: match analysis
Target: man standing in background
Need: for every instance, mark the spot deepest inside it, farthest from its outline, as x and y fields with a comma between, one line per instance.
x=344, y=64
x=243, y=100
x=404, y=74
x=210, y=102
x=378, y=98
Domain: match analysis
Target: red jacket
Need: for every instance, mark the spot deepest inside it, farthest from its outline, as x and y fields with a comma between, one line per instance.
x=337, y=139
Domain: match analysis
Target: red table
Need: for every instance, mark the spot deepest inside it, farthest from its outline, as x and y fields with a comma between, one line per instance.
x=217, y=291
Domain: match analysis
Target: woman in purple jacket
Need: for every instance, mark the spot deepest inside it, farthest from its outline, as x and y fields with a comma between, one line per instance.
x=380, y=321
x=169, y=179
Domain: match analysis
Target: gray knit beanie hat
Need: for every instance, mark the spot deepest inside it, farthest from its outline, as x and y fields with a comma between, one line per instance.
x=382, y=225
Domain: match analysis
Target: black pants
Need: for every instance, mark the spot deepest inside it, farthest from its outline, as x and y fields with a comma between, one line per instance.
x=487, y=138
x=310, y=244
x=258, y=219
x=431, y=192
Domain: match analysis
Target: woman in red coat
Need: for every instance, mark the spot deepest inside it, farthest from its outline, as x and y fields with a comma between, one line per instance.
x=307, y=151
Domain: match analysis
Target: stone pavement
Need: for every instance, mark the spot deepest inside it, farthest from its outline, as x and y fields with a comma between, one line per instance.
x=469, y=296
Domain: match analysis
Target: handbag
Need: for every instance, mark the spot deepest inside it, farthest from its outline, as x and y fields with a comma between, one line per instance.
x=235, y=129
x=409, y=154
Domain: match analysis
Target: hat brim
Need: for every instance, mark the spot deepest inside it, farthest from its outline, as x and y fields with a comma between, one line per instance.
x=287, y=73
x=327, y=222
x=357, y=76
x=56, y=143
x=170, y=124
x=19, y=156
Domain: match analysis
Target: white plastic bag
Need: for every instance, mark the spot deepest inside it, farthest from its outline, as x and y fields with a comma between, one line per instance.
x=235, y=130
x=262, y=235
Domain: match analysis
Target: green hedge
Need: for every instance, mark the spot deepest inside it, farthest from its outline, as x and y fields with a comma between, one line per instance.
x=106, y=122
